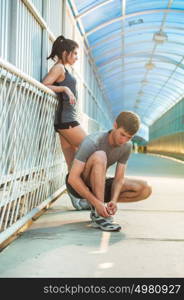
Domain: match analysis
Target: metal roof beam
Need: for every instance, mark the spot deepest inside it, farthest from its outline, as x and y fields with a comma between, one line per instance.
x=146, y=55
x=112, y=36
x=139, y=43
x=87, y=11
x=108, y=71
x=115, y=75
x=170, y=101
x=153, y=84
x=146, y=93
x=138, y=76
x=147, y=12
x=166, y=93
x=119, y=104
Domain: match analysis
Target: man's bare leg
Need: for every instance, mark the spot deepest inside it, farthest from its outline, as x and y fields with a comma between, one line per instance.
x=94, y=176
x=94, y=173
x=134, y=190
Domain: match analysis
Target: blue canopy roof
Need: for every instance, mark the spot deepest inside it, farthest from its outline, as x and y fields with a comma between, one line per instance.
x=138, y=49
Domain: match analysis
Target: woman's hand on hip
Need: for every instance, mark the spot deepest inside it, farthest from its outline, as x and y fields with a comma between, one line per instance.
x=71, y=96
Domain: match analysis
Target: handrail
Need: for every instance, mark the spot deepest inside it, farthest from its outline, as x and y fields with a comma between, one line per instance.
x=11, y=68
x=32, y=166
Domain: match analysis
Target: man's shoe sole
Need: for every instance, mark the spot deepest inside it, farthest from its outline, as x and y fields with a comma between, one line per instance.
x=109, y=228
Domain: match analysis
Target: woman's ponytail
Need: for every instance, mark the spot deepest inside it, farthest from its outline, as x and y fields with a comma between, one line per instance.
x=56, y=46
x=60, y=45
x=61, y=38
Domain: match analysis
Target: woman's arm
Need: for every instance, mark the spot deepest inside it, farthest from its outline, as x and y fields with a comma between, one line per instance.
x=57, y=71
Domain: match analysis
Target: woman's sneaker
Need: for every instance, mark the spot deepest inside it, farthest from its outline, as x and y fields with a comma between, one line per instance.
x=105, y=224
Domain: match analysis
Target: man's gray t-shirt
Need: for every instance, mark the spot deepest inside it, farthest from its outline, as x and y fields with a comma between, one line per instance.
x=99, y=141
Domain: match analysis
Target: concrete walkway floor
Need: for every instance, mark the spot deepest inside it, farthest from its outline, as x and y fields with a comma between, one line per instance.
x=61, y=243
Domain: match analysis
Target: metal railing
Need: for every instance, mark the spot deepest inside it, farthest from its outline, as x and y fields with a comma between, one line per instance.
x=32, y=166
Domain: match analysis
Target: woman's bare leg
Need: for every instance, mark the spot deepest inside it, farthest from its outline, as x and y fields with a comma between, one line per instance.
x=70, y=139
x=68, y=150
x=73, y=135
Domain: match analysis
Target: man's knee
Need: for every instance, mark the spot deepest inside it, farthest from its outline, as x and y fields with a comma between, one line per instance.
x=146, y=190
x=100, y=157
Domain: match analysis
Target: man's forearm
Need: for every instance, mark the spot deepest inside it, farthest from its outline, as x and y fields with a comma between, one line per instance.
x=80, y=187
x=116, y=189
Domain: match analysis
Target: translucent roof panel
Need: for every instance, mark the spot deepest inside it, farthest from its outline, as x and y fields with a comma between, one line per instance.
x=105, y=14
x=136, y=5
x=138, y=49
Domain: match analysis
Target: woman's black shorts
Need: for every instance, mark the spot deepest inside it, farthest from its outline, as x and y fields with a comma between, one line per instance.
x=66, y=125
x=108, y=185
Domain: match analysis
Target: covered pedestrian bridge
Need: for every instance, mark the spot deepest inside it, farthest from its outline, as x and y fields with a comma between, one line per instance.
x=130, y=58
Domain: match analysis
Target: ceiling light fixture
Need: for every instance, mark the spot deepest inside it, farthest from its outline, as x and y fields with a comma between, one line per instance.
x=144, y=81
x=160, y=37
x=149, y=66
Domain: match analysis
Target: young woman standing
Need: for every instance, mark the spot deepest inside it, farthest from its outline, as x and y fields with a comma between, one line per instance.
x=61, y=81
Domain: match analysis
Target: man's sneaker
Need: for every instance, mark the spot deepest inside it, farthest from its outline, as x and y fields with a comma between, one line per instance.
x=78, y=203
x=75, y=201
x=105, y=224
x=93, y=215
x=84, y=204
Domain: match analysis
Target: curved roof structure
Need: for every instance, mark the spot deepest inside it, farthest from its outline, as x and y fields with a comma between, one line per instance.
x=138, y=49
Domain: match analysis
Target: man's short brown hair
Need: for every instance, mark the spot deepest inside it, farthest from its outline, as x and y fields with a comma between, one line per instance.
x=129, y=121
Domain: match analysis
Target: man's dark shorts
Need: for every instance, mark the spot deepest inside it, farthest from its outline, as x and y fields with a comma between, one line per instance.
x=108, y=185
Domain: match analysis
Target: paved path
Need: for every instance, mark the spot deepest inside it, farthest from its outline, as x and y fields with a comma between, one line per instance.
x=61, y=243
